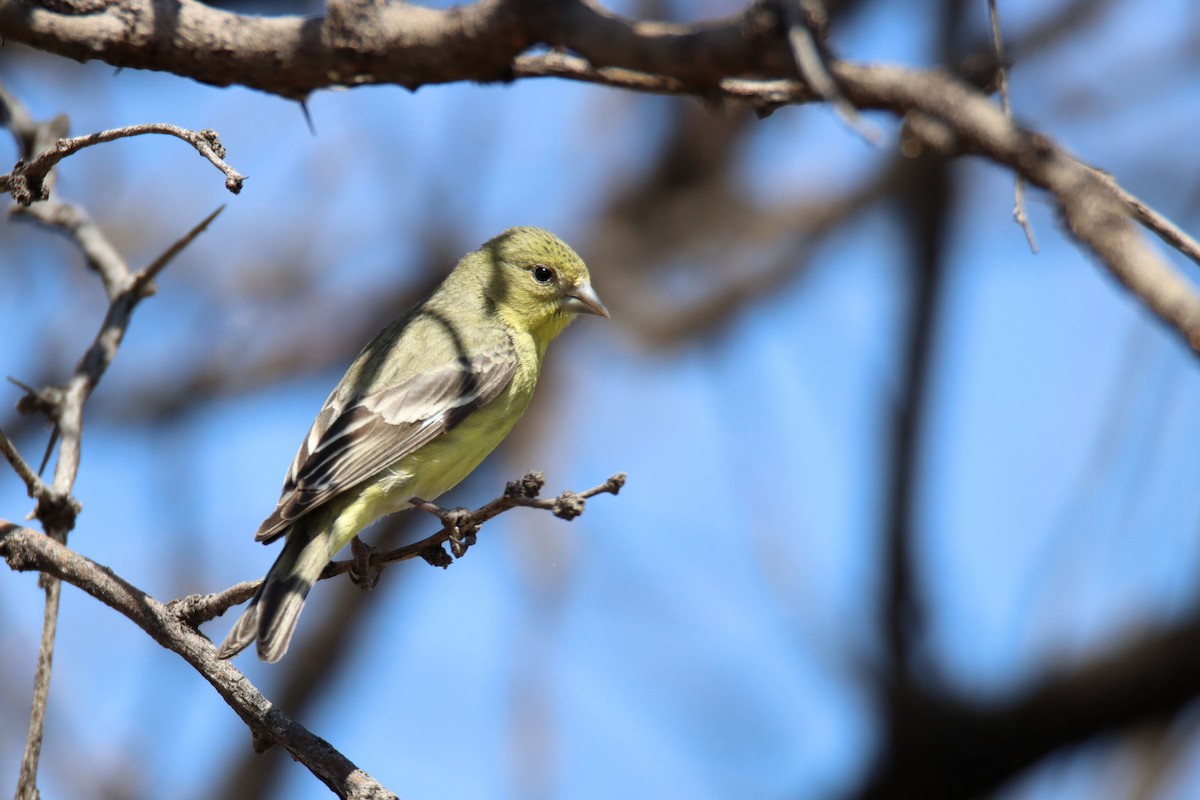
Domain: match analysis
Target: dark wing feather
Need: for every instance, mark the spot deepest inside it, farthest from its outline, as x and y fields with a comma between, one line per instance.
x=348, y=445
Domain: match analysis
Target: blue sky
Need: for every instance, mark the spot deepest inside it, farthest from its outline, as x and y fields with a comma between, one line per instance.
x=704, y=633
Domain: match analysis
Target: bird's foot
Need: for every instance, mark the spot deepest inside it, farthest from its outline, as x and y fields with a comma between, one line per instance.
x=461, y=528
x=459, y=525
x=367, y=566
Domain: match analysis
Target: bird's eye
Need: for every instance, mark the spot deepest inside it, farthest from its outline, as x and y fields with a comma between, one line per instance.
x=543, y=274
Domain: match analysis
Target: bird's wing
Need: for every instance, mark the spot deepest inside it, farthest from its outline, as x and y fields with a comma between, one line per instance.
x=349, y=444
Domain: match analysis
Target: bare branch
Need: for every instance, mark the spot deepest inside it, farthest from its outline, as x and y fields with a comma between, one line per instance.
x=400, y=43
x=460, y=525
x=1019, y=215
x=33, y=483
x=173, y=625
x=27, y=778
x=56, y=508
x=746, y=57
x=26, y=550
x=143, y=281
x=1006, y=104
x=560, y=65
x=26, y=183
x=126, y=290
x=197, y=609
x=806, y=23
x=1094, y=214
x=978, y=126
x=1162, y=227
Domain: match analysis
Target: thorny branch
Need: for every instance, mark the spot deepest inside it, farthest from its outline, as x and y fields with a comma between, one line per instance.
x=750, y=57
x=488, y=41
x=27, y=550
x=174, y=625
x=31, y=183
x=1097, y=212
x=126, y=289
x=63, y=405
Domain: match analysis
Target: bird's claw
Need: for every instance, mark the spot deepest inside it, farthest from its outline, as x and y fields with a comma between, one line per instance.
x=366, y=567
x=460, y=528
x=459, y=525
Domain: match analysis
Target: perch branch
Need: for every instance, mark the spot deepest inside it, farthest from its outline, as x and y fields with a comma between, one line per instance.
x=459, y=527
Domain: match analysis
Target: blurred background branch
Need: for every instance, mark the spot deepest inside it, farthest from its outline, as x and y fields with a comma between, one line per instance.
x=913, y=510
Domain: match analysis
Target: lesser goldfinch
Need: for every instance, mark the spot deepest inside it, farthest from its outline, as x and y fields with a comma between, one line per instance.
x=416, y=412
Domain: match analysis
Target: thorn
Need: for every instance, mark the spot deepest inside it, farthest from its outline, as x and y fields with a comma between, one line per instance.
x=805, y=23
x=49, y=449
x=22, y=386
x=312, y=128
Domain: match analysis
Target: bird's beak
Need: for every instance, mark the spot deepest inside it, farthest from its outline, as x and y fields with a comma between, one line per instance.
x=582, y=299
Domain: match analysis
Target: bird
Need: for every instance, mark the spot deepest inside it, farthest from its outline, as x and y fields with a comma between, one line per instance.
x=418, y=409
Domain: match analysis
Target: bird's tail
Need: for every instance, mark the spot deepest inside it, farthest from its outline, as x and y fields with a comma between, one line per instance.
x=273, y=611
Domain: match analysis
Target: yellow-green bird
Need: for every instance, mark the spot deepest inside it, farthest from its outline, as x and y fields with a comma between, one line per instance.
x=419, y=408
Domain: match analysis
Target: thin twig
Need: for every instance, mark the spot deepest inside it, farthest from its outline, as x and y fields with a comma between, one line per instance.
x=143, y=281
x=27, y=779
x=766, y=95
x=460, y=524
x=95, y=362
x=33, y=483
x=26, y=181
x=1018, y=213
x=196, y=609
x=560, y=65
x=805, y=20
x=44, y=402
x=1162, y=227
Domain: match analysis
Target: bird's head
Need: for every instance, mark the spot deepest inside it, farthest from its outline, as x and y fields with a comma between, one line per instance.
x=537, y=282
